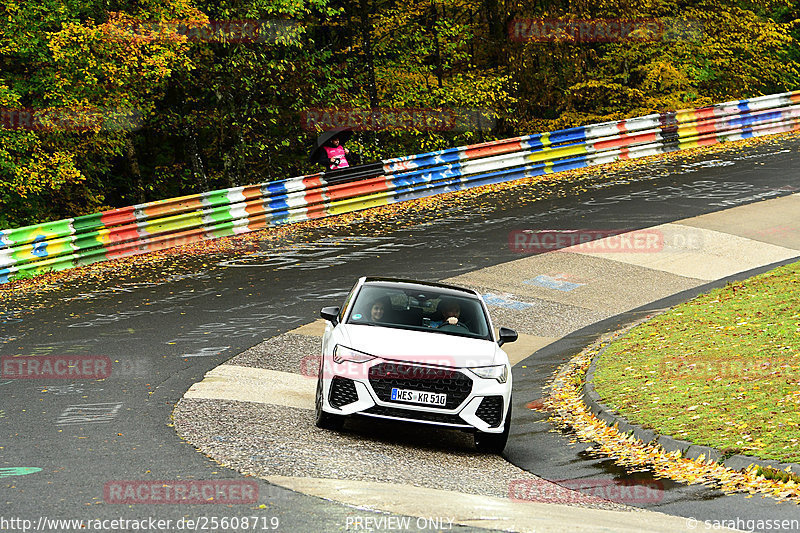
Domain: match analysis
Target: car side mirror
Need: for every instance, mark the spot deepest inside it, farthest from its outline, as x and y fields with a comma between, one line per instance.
x=507, y=335
x=331, y=314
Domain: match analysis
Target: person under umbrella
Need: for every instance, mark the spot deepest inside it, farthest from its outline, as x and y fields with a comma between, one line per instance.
x=329, y=150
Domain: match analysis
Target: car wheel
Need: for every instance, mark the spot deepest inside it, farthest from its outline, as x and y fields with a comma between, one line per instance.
x=322, y=419
x=494, y=442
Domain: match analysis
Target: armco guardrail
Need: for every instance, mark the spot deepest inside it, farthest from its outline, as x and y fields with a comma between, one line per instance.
x=167, y=223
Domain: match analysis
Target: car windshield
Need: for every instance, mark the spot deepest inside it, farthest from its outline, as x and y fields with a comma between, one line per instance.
x=423, y=309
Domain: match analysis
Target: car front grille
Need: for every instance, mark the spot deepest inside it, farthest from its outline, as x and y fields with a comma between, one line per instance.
x=343, y=392
x=385, y=376
x=491, y=410
x=408, y=414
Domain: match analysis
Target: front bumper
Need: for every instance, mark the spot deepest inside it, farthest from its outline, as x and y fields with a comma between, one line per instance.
x=472, y=402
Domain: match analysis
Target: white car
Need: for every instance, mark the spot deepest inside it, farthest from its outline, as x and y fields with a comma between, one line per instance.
x=416, y=352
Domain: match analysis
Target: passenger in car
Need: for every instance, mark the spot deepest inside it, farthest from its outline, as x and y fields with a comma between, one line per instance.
x=377, y=312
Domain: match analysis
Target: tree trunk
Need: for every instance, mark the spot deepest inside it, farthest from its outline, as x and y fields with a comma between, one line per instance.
x=439, y=73
x=193, y=152
x=366, y=37
x=136, y=173
x=496, y=30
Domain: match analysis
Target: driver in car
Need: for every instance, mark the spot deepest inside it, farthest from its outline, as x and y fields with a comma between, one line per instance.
x=451, y=314
x=450, y=311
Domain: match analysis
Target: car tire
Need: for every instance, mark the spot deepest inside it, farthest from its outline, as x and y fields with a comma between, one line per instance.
x=322, y=419
x=494, y=442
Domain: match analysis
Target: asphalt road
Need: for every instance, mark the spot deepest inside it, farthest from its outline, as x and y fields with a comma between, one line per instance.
x=161, y=337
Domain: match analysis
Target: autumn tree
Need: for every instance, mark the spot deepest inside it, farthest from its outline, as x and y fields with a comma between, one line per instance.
x=700, y=52
x=86, y=80
x=105, y=105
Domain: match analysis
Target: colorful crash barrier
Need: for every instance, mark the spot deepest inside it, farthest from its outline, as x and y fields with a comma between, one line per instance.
x=168, y=223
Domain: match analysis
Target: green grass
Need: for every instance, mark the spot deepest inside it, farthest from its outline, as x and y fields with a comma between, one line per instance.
x=722, y=370
x=23, y=275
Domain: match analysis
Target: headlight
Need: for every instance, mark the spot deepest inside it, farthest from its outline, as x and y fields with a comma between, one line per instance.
x=342, y=354
x=498, y=372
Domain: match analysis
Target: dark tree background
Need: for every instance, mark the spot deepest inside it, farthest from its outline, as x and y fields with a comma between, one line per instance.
x=106, y=104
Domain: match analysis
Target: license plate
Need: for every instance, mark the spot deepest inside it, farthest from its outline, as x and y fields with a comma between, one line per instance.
x=415, y=396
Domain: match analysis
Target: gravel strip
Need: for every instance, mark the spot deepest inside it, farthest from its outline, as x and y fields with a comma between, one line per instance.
x=265, y=440
x=288, y=352
x=543, y=318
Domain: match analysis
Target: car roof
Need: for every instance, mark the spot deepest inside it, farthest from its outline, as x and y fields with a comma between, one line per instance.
x=405, y=284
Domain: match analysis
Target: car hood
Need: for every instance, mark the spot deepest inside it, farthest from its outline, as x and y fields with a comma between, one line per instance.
x=420, y=346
